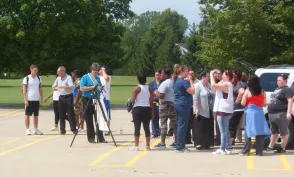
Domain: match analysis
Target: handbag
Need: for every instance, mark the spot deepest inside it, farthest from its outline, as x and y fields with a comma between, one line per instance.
x=129, y=105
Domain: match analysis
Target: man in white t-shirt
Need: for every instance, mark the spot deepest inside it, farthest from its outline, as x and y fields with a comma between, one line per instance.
x=32, y=91
x=106, y=82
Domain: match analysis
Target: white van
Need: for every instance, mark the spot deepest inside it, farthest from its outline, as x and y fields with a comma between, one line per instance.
x=268, y=79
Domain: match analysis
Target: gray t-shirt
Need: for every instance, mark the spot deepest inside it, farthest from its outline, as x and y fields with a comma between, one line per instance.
x=66, y=81
x=235, y=93
x=279, y=100
x=166, y=88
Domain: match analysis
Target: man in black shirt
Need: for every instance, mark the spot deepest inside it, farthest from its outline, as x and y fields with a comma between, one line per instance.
x=279, y=110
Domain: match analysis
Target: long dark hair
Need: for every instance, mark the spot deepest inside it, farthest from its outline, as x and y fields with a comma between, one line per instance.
x=254, y=85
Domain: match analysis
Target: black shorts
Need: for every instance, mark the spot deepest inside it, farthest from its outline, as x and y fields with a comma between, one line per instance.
x=33, y=108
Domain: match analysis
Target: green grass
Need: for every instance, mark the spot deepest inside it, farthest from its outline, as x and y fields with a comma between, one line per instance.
x=121, y=89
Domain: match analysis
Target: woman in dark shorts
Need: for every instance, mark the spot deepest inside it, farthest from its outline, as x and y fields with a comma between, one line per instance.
x=279, y=112
x=142, y=112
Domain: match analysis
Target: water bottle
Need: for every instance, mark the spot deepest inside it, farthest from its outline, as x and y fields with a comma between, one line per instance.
x=121, y=131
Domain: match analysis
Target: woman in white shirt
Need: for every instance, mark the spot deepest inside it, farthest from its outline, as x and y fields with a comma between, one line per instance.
x=223, y=107
x=142, y=111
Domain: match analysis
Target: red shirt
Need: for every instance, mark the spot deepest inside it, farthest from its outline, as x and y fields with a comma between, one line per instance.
x=257, y=100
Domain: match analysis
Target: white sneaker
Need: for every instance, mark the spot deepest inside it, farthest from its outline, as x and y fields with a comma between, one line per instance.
x=228, y=152
x=37, y=132
x=54, y=129
x=134, y=149
x=219, y=152
x=28, y=132
x=81, y=130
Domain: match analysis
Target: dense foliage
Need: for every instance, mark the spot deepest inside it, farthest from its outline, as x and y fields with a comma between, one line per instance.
x=262, y=32
x=77, y=32
x=150, y=40
x=54, y=32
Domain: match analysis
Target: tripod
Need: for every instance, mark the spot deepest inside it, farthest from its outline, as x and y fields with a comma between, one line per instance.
x=94, y=95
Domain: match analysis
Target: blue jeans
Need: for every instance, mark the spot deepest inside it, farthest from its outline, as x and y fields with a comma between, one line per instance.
x=223, y=124
x=155, y=122
x=183, y=116
x=107, y=107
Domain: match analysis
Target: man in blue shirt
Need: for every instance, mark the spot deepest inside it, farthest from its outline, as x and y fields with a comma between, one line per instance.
x=87, y=84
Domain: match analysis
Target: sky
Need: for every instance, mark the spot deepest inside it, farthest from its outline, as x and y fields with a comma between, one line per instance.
x=188, y=8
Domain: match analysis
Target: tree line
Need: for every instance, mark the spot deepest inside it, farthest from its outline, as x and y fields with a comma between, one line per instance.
x=74, y=33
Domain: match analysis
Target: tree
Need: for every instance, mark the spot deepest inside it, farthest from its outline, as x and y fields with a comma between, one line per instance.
x=52, y=32
x=190, y=58
x=160, y=43
x=136, y=29
x=258, y=31
x=150, y=40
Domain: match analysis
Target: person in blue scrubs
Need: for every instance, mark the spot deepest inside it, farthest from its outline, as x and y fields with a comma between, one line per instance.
x=155, y=122
x=183, y=89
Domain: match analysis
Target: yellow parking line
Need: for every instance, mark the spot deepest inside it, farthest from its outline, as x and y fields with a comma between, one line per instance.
x=103, y=156
x=283, y=159
x=14, y=115
x=23, y=138
x=285, y=162
x=250, y=161
x=136, y=158
x=11, y=112
x=26, y=145
x=15, y=140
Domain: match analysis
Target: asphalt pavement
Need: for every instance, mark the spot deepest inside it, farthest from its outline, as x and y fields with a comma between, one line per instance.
x=49, y=155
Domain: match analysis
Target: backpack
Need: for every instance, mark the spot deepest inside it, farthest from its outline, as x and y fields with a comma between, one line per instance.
x=27, y=78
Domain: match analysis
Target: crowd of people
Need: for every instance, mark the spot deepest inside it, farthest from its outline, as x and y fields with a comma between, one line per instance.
x=71, y=95
x=211, y=106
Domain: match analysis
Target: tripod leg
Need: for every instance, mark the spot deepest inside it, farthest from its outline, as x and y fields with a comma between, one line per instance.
x=96, y=123
x=111, y=135
x=104, y=116
x=75, y=134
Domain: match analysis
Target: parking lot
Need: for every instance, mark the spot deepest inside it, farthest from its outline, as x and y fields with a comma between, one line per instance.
x=50, y=154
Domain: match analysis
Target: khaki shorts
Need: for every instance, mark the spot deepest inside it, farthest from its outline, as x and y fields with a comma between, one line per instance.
x=78, y=108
